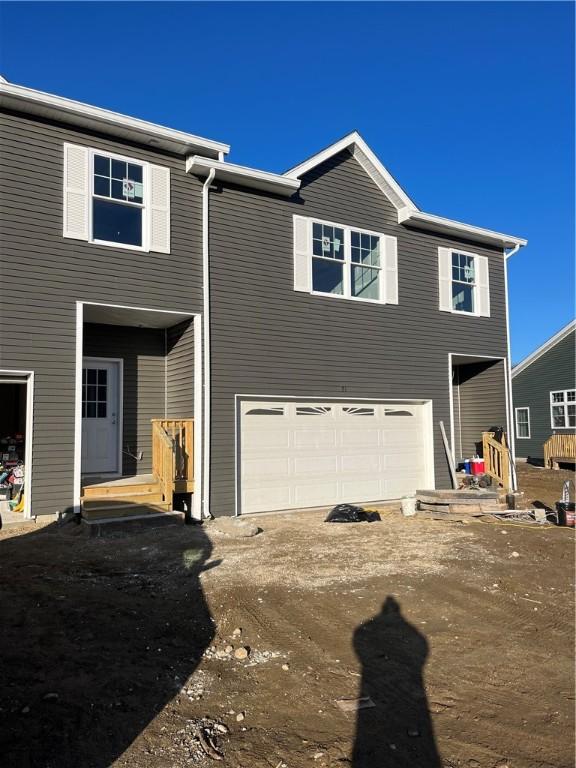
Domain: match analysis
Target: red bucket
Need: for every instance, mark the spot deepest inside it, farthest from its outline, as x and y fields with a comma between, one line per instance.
x=477, y=466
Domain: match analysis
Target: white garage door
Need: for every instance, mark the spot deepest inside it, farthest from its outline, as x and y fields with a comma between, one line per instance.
x=296, y=454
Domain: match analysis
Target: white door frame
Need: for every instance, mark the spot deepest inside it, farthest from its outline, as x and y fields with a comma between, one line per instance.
x=119, y=410
x=24, y=379
x=198, y=390
x=428, y=417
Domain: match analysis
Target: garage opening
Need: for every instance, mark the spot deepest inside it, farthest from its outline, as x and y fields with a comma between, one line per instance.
x=297, y=454
x=13, y=423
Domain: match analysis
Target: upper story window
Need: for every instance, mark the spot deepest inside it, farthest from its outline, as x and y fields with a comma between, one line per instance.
x=463, y=282
x=346, y=262
x=116, y=201
x=563, y=409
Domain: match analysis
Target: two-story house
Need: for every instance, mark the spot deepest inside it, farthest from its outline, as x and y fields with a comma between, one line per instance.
x=296, y=337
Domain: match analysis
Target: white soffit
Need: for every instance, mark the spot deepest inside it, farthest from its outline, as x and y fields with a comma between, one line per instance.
x=548, y=345
x=458, y=229
x=28, y=100
x=367, y=159
x=134, y=317
x=239, y=174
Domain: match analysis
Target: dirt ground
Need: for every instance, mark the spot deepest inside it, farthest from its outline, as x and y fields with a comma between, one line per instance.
x=116, y=651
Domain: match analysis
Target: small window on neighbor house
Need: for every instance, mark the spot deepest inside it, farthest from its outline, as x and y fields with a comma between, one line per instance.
x=563, y=409
x=117, y=201
x=463, y=282
x=522, y=422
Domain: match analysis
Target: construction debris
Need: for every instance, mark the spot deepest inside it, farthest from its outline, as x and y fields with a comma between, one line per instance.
x=353, y=705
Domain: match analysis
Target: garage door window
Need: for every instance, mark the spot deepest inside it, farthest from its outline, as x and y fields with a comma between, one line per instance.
x=313, y=410
x=352, y=411
x=265, y=412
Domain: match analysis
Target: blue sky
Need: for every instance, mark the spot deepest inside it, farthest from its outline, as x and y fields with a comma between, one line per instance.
x=469, y=105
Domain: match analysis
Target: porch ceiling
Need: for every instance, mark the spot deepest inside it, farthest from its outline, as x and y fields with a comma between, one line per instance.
x=466, y=359
x=130, y=316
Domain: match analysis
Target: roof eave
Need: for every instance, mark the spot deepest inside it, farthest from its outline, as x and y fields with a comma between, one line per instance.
x=243, y=176
x=42, y=104
x=459, y=229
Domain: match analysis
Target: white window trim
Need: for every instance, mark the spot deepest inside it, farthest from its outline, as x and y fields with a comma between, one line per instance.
x=563, y=405
x=475, y=313
x=347, y=262
x=145, y=206
x=518, y=435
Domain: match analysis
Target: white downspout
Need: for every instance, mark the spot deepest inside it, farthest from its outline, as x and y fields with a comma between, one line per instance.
x=206, y=325
x=511, y=420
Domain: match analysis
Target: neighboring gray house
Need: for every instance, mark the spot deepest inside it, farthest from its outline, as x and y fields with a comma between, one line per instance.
x=544, y=392
x=315, y=325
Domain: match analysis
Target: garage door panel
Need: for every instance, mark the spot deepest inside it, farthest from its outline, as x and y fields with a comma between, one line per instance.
x=361, y=462
x=362, y=488
x=265, y=438
x=313, y=465
x=316, y=494
x=266, y=467
x=312, y=438
x=265, y=499
x=362, y=438
x=309, y=454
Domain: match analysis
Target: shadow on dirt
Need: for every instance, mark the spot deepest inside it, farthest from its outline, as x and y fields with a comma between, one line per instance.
x=397, y=732
x=97, y=637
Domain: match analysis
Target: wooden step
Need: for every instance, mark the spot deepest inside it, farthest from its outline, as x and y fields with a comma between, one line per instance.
x=151, y=497
x=104, y=509
x=111, y=491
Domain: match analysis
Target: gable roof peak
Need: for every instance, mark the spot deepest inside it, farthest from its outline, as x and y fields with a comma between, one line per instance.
x=361, y=152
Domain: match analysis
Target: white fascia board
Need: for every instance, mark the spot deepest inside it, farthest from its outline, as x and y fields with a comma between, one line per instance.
x=548, y=345
x=351, y=139
x=29, y=100
x=239, y=174
x=457, y=228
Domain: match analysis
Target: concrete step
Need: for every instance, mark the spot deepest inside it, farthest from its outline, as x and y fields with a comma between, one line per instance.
x=102, y=510
x=133, y=524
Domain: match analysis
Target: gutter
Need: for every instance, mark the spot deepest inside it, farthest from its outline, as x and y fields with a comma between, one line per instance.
x=206, y=357
x=511, y=418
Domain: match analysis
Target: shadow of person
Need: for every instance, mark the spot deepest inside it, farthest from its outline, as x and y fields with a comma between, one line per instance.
x=97, y=636
x=397, y=732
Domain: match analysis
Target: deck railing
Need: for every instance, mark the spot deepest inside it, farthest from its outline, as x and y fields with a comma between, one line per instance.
x=173, y=454
x=559, y=448
x=496, y=459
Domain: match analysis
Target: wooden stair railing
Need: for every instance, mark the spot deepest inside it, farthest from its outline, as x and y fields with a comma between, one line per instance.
x=496, y=459
x=173, y=455
x=559, y=447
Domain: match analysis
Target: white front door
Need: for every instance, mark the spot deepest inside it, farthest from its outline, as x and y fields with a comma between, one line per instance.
x=296, y=454
x=100, y=416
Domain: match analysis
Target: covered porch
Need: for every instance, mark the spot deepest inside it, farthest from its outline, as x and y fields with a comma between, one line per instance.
x=138, y=395
x=479, y=396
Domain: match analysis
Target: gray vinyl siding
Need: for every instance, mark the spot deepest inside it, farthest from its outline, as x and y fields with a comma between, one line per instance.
x=142, y=351
x=44, y=274
x=268, y=339
x=554, y=370
x=479, y=398
x=180, y=371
